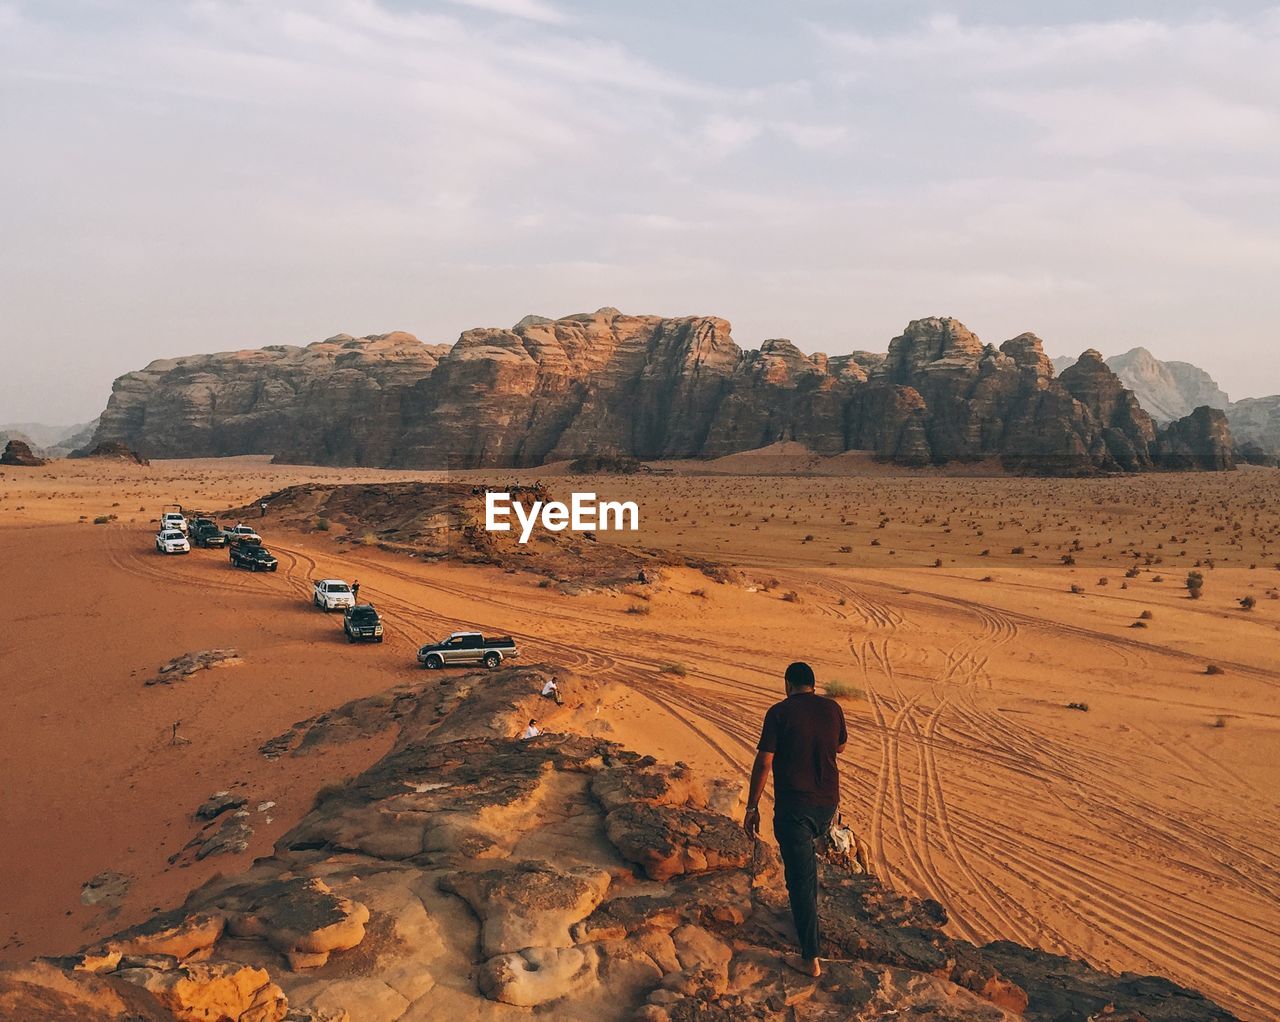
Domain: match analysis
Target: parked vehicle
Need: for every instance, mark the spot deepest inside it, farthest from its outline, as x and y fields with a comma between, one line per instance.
x=332, y=594
x=240, y=532
x=253, y=556
x=173, y=521
x=362, y=624
x=468, y=648
x=171, y=541
x=206, y=532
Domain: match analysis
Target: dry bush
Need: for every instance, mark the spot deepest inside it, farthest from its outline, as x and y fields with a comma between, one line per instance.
x=842, y=690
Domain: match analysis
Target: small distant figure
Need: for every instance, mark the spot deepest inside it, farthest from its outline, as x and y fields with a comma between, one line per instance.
x=532, y=731
x=801, y=737
x=263, y=509
x=552, y=691
x=355, y=591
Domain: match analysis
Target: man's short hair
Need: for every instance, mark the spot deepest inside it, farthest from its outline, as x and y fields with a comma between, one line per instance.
x=800, y=675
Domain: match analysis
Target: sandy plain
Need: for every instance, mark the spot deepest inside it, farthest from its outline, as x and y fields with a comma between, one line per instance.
x=1141, y=834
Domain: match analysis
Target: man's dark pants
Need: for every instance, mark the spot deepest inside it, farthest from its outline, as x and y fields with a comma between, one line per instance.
x=796, y=828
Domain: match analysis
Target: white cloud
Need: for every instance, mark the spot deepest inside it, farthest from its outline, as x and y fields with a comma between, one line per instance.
x=220, y=173
x=532, y=10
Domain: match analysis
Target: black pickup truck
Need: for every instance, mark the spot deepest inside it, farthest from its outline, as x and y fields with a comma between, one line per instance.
x=253, y=556
x=361, y=623
x=468, y=648
x=206, y=532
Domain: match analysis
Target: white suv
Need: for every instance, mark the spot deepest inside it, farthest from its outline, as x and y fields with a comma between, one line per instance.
x=171, y=541
x=332, y=594
x=173, y=521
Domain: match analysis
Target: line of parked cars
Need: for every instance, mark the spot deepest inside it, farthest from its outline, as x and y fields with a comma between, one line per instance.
x=177, y=535
x=360, y=621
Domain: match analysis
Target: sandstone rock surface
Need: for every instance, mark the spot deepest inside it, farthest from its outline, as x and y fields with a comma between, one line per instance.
x=18, y=453
x=469, y=874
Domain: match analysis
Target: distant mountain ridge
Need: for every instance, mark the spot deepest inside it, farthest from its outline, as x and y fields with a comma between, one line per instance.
x=606, y=384
x=49, y=441
x=1172, y=390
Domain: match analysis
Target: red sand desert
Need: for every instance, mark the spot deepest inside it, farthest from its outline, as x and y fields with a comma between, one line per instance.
x=1140, y=834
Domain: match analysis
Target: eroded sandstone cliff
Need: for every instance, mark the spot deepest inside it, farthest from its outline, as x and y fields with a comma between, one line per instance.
x=608, y=385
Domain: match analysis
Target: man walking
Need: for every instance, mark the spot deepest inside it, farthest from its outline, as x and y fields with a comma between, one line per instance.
x=799, y=743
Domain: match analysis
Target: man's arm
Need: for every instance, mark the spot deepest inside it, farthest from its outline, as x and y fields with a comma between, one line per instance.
x=759, y=774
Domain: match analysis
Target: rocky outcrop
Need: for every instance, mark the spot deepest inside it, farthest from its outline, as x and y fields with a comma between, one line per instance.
x=1200, y=442
x=609, y=388
x=469, y=870
x=110, y=449
x=1255, y=425
x=1172, y=391
x=18, y=453
x=333, y=402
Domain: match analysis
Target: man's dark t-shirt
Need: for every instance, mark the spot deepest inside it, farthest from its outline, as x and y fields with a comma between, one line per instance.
x=803, y=732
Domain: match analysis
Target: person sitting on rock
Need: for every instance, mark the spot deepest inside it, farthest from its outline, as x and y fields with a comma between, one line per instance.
x=532, y=731
x=552, y=691
x=799, y=742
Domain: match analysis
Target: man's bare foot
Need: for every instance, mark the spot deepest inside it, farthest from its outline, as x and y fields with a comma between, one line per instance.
x=804, y=966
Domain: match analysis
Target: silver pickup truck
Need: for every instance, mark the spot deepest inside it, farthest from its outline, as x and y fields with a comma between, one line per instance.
x=468, y=648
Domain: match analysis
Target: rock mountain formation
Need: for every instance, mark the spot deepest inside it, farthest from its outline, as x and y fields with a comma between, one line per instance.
x=1173, y=390
x=606, y=384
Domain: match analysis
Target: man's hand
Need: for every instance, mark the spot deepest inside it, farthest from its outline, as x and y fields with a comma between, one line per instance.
x=751, y=822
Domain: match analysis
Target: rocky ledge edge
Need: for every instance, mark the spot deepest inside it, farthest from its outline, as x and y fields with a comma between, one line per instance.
x=473, y=875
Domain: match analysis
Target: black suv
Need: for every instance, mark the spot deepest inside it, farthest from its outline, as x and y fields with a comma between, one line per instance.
x=362, y=624
x=206, y=532
x=253, y=556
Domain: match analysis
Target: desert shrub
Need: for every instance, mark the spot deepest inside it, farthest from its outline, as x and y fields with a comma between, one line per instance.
x=846, y=550
x=700, y=593
x=639, y=608
x=1103, y=581
x=679, y=670
x=1195, y=585
x=1214, y=669
x=1018, y=550
x=808, y=538
x=1068, y=560
x=1077, y=589
x=103, y=519
x=368, y=539
x=986, y=578
x=1083, y=707
x=938, y=563
x=1133, y=572
x=791, y=596
x=1248, y=603
x=842, y=690
x=1219, y=721
x=1138, y=624
x=1146, y=615
x=322, y=525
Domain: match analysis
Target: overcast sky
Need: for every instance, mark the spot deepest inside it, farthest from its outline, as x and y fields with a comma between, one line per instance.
x=180, y=177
